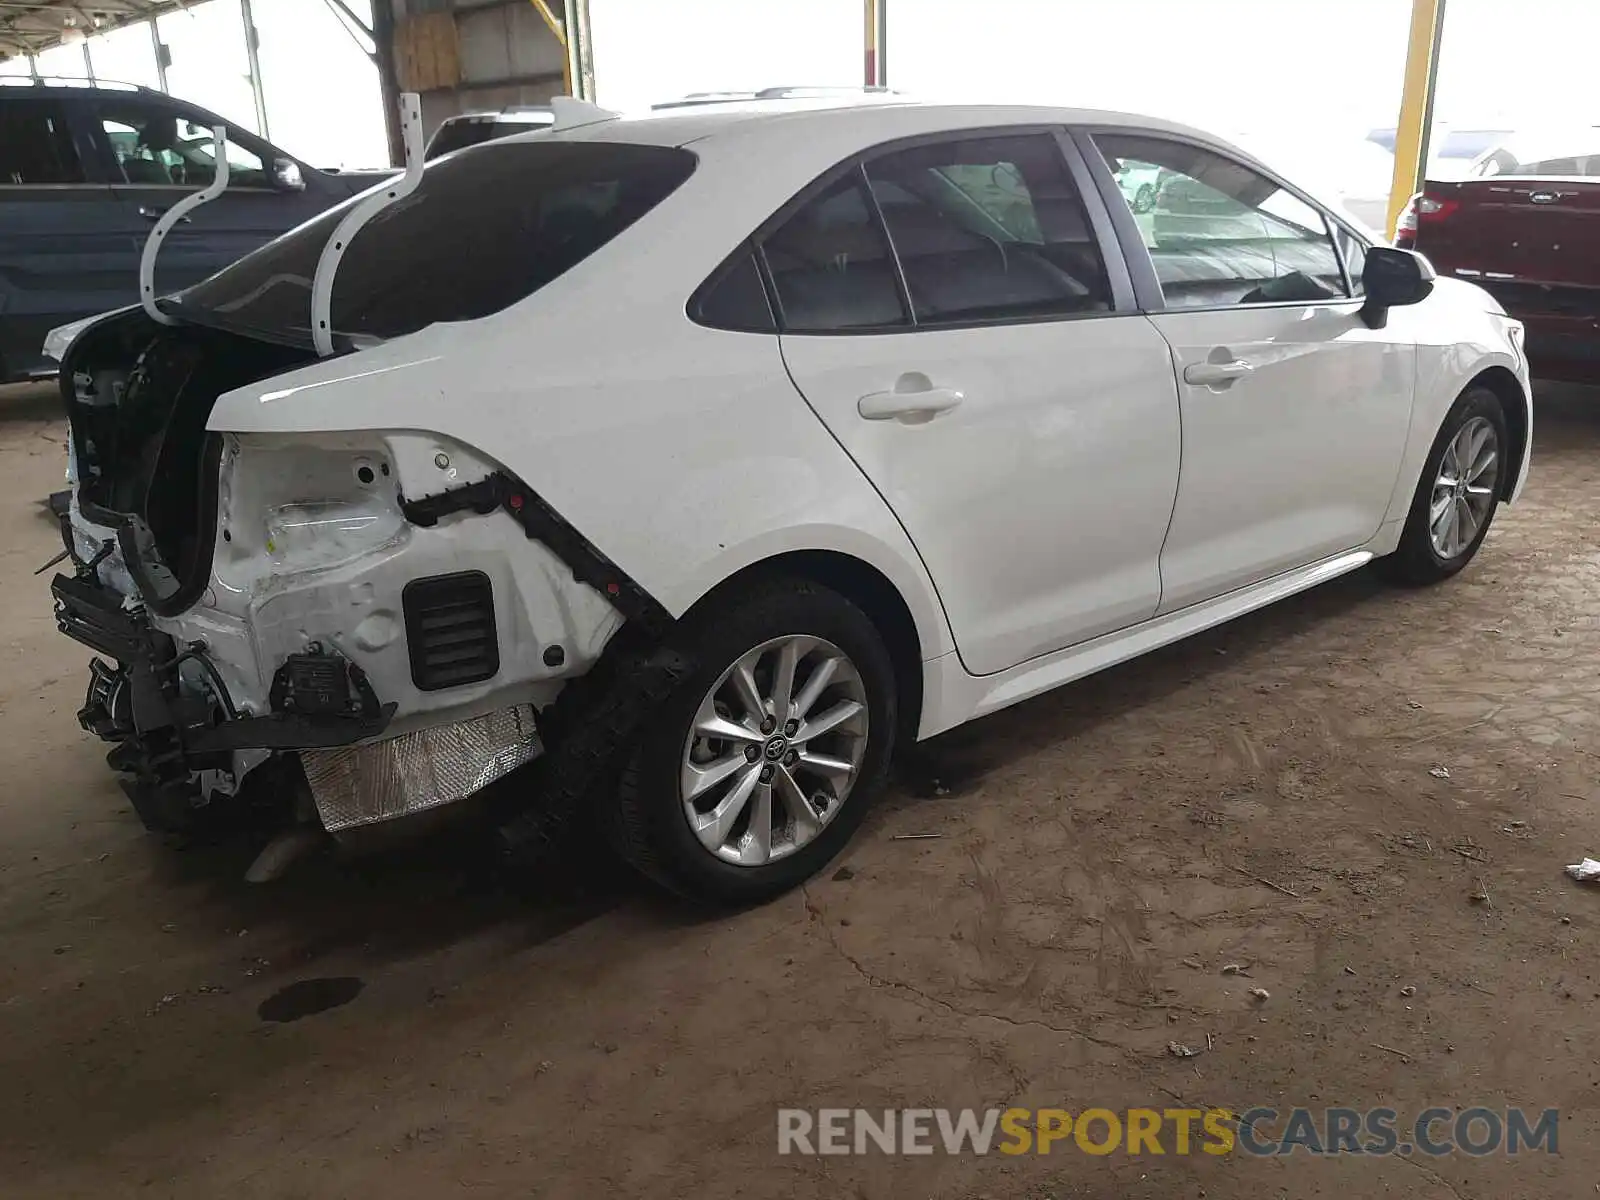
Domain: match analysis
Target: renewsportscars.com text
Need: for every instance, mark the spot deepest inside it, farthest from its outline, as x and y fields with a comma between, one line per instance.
x=1259, y=1132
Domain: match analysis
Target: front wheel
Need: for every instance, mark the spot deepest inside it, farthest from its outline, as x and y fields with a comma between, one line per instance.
x=1457, y=494
x=759, y=768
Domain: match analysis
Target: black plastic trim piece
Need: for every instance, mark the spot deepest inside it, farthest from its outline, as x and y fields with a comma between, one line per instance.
x=284, y=731
x=542, y=523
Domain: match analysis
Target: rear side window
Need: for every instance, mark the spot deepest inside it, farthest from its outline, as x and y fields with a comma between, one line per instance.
x=36, y=146
x=735, y=299
x=484, y=229
x=831, y=265
x=990, y=228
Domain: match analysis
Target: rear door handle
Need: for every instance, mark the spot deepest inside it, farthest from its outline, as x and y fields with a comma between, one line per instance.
x=1217, y=374
x=155, y=214
x=913, y=400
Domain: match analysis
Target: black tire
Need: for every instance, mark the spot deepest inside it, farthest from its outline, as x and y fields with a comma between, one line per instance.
x=647, y=823
x=1144, y=199
x=1416, y=562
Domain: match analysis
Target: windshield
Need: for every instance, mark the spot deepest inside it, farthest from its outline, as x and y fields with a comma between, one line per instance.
x=485, y=228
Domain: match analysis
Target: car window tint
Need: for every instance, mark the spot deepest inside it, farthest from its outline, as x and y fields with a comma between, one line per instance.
x=485, y=228
x=989, y=228
x=156, y=146
x=1221, y=233
x=736, y=299
x=36, y=146
x=831, y=267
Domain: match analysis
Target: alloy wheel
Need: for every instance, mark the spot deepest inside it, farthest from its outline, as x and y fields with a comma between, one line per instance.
x=776, y=746
x=1463, y=491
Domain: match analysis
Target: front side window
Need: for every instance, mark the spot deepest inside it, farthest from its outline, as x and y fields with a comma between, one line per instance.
x=989, y=228
x=485, y=228
x=1223, y=234
x=156, y=146
x=831, y=266
x=36, y=146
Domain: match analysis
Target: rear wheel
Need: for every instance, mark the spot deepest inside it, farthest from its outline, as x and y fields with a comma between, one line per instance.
x=760, y=767
x=1457, y=494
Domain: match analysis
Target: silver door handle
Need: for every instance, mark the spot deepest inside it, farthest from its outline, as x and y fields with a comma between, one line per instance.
x=911, y=406
x=1209, y=374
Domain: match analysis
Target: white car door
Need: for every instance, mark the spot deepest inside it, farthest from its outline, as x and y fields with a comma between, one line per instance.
x=992, y=380
x=1295, y=414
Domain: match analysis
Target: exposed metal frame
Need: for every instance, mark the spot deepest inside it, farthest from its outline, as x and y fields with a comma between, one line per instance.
x=169, y=220
x=333, y=250
x=580, y=55
x=29, y=27
x=355, y=26
x=558, y=30
x=161, y=52
x=350, y=16
x=252, y=57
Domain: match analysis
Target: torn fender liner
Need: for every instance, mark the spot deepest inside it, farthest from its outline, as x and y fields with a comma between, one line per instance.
x=358, y=785
x=595, y=718
x=542, y=523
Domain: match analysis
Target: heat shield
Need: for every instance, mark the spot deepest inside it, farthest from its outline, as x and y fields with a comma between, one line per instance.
x=361, y=785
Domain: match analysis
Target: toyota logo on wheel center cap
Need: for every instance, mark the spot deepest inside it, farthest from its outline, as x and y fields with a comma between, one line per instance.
x=776, y=748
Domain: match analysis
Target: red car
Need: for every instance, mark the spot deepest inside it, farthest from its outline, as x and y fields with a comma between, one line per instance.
x=1530, y=235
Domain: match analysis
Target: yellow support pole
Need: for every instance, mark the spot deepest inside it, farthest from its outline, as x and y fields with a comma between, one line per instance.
x=560, y=32
x=872, y=43
x=1416, y=106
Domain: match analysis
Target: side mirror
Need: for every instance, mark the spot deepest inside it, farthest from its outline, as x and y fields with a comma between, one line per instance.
x=1393, y=278
x=286, y=175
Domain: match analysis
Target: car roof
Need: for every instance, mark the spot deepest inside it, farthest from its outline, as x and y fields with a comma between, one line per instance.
x=63, y=83
x=877, y=117
x=805, y=136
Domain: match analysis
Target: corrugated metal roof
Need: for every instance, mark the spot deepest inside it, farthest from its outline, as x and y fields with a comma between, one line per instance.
x=32, y=26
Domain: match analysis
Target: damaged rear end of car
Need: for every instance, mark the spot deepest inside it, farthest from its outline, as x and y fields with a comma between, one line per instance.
x=386, y=611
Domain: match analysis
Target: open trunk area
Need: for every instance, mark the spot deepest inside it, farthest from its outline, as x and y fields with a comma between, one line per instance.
x=139, y=395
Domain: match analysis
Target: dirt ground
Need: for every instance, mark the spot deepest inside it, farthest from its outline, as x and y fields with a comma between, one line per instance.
x=1261, y=795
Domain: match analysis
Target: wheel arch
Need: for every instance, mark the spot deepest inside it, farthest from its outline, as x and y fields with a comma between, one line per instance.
x=865, y=586
x=1514, y=404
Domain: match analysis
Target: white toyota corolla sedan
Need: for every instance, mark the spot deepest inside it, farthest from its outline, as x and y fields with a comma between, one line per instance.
x=677, y=469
